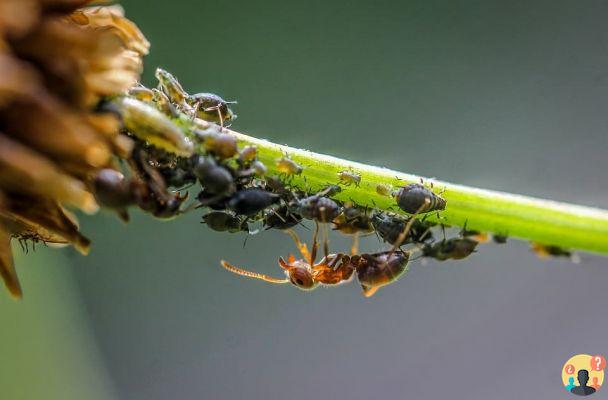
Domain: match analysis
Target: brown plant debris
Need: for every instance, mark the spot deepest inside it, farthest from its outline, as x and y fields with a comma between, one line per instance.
x=57, y=61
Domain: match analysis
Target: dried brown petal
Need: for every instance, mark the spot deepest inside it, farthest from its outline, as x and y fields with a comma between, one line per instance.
x=113, y=16
x=17, y=79
x=39, y=212
x=23, y=170
x=7, y=268
x=54, y=129
x=18, y=16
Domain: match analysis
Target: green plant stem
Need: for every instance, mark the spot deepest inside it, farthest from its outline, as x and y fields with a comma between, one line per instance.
x=543, y=221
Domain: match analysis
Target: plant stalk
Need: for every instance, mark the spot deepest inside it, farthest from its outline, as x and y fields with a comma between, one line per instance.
x=544, y=221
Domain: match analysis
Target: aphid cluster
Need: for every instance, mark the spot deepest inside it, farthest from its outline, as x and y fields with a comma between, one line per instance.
x=236, y=194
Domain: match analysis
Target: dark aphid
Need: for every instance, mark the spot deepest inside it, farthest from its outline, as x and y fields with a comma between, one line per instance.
x=215, y=179
x=499, y=239
x=222, y=145
x=287, y=166
x=213, y=201
x=112, y=189
x=353, y=220
x=211, y=107
x=543, y=250
x=178, y=177
x=349, y=177
x=281, y=218
x=224, y=222
x=318, y=208
x=251, y=201
x=379, y=269
x=455, y=249
x=415, y=197
x=149, y=189
x=389, y=227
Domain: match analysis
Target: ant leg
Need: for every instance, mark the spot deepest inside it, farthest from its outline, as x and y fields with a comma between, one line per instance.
x=315, y=244
x=301, y=246
x=325, y=241
x=354, y=249
x=334, y=262
x=249, y=274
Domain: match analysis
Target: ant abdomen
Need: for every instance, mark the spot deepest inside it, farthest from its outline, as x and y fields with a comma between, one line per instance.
x=379, y=269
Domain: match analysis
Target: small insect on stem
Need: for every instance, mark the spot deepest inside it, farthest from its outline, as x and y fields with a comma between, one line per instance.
x=544, y=251
x=211, y=107
x=206, y=106
x=384, y=190
x=141, y=93
x=412, y=197
x=348, y=178
x=287, y=166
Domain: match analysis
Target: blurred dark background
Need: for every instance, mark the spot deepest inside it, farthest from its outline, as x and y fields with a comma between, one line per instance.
x=503, y=95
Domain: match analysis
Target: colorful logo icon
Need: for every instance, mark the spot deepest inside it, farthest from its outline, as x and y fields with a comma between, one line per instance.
x=583, y=374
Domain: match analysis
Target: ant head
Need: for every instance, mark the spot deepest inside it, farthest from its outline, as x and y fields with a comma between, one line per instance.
x=299, y=274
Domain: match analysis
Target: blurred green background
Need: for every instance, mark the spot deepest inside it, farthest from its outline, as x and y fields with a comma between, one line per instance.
x=502, y=95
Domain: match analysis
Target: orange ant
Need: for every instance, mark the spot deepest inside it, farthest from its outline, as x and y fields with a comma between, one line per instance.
x=373, y=270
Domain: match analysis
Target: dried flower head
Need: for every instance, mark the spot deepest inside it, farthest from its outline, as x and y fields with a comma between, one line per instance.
x=57, y=60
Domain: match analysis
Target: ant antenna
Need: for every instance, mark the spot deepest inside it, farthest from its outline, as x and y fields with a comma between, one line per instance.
x=254, y=275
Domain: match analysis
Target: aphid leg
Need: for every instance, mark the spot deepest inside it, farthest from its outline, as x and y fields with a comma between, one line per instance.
x=193, y=109
x=219, y=114
x=426, y=232
x=354, y=249
x=255, y=275
x=403, y=235
x=301, y=246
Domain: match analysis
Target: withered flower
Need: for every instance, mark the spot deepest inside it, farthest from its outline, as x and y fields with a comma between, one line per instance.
x=57, y=60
